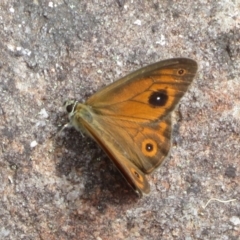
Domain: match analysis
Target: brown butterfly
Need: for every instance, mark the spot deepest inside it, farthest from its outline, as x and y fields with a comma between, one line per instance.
x=130, y=119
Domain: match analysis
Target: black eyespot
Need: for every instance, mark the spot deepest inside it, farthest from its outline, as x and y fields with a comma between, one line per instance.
x=159, y=98
x=149, y=147
x=69, y=108
x=181, y=71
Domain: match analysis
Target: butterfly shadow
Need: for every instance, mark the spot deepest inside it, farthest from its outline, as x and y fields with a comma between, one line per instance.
x=81, y=161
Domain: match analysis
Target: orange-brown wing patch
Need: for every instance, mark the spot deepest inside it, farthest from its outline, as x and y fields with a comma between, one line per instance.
x=147, y=94
x=145, y=145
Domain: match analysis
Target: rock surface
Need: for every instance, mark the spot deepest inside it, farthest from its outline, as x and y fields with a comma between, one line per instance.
x=62, y=186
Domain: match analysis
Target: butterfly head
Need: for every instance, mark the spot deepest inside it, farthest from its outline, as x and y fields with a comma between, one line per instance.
x=70, y=107
x=77, y=113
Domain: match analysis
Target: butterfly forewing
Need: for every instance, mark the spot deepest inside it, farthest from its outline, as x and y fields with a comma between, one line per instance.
x=147, y=94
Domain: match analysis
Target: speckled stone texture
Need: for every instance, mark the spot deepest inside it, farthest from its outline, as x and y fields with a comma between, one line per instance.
x=62, y=186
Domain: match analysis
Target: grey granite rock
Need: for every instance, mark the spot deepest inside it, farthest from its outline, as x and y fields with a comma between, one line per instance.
x=62, y=186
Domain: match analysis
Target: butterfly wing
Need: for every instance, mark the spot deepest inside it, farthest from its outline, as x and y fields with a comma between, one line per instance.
x=130, y=118
x=135, y=109
x=148, y=94
x=145, y=145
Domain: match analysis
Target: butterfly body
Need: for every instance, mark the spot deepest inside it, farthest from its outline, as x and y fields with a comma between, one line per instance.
x=130, y=118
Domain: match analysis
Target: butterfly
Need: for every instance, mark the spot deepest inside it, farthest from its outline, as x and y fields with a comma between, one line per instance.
x=131, y=118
